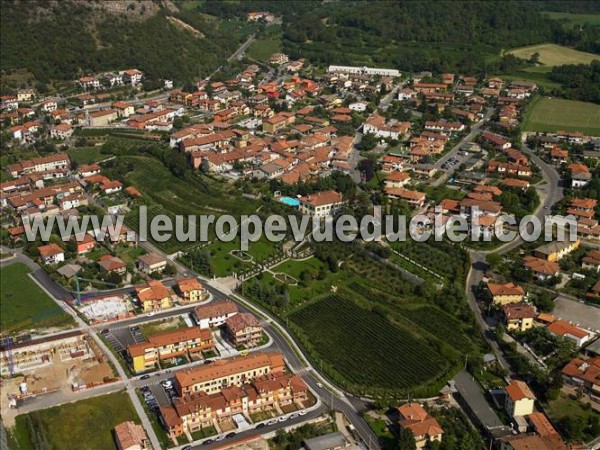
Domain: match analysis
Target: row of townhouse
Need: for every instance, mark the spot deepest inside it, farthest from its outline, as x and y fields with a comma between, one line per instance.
x=267, y=392
x=242, y=329
x=188, y=342
x=110, y=79
x=58, y=161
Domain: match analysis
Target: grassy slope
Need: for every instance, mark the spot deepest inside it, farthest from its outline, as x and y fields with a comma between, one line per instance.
x=554, y=55
x=85, y=425
x=23, y=302
x=552, y=114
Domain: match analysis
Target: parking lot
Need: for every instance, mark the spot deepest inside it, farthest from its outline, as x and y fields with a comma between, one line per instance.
x=158, y=394
x=121, y=337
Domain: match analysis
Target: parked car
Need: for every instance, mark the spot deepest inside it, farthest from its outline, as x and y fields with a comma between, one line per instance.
x=208, y=442
x=260, y=425
x=272, y=422
x=303, y=412
x=282, y=419
x=230, y=435
x=150, y=314
x=293, y=415
x=219, y=438
x=144, y=377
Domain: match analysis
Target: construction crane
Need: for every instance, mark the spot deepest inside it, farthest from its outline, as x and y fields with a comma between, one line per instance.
x=78, y=290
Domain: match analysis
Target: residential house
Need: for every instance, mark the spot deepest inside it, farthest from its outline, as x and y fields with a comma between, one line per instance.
x=61, y=131
x=109, y=263
x=51, y=254
x=215, y=313
x=542, y=269
x=555, y=251
x=155, y=296
x=102, y=118
x=151, y=263
x=415, y=199
x=503, y=294
x=585, y=374
x=518, y=316
x=244, y=329
x=130, y=436
x=191, y=290
x=425, y=428
x=519, y=399
x=321, y=204
x=84, y=243
x=377, y=126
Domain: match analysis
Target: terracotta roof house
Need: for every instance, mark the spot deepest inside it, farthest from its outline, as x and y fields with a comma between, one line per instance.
x=565, y=329
x=424, y=427
x=130, y=436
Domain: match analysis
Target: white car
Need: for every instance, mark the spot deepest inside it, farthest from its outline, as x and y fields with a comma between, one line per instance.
x=320, y=385
x=219, y=438
x=272, y=422
x=282, y=419
x=293, y=415
x=167, y=384
x=302, y=413
x=150, y=314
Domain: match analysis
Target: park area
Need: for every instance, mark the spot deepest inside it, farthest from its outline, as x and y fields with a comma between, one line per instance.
x=83, y=425
x=553, y=55
x=553, y=114
x=24, y=305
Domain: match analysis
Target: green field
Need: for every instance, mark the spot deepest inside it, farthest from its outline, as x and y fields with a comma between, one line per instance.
x=262, y=49
x=552, y=114
x=24, y=305
x=365, y=348
x=86, y=155
x=570, y=20
x=554, y=55
x=167, y=194
x=83, y=425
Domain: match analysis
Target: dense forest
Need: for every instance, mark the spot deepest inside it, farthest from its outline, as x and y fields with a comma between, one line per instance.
x=580, y=82
x=64, y=40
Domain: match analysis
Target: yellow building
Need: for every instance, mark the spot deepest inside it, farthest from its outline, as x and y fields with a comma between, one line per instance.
x=519, y=399
x=154, y=297
x=191, y=290
x=518, y=316
x=227, y=372
x=503, y=294
x=555, y=251
x=147, y=355
x=278, y=122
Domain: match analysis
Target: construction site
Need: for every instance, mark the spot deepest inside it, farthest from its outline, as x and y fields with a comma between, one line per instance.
x=63, y=363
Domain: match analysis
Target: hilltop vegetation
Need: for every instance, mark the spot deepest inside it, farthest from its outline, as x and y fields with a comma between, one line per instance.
x=64, y=40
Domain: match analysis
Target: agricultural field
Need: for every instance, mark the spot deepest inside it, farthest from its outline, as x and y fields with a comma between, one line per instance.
x=262, y=49
x=83, y=425
x=554, y=55
x=552, y=114
x=86, y=155
x=166, y=194
x=446, y=327
x=24, y=305
x=350, y=338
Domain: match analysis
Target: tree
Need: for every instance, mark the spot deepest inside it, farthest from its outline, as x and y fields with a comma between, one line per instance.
x=406, y=440
x=535, y=59
x=493, y=259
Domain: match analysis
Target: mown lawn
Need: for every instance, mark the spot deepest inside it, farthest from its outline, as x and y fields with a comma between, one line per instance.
x=83, y=425
x=24, y=305
x=553, y=114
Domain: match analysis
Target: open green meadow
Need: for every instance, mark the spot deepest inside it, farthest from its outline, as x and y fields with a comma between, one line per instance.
x=262, y=49
x=554, y=55
x=86, y=155
x=552, y=114
x=24, y=305
x=83, y=425
x=570, y=20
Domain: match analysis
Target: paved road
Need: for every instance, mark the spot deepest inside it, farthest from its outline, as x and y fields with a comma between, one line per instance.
x=550, y=192
x=457, y=148
x=239, y=53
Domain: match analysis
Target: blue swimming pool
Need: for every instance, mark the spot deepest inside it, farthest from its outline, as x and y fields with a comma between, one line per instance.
x=294, y=202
